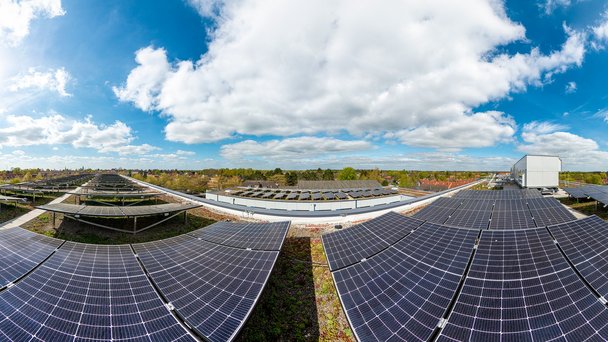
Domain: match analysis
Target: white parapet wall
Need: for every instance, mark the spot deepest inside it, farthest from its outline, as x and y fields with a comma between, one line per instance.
x=305, y=205
x=328, y=216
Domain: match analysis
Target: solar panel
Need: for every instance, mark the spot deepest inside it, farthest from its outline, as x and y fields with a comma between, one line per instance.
x=549, y=216
x=576, y=192
x=349, y=246
x=263, y=236
x=341, y=195
x=585, y=243
x=511, y=214
x=478, y=219
x=304, y=196
x=21, y=251
x=542, y=203
x=156, y=209
x=601, y=197
x=438, y=211
x=316, y=196
x=403, y=291
x=293, y=195
x=87, y=292
x=520, y=288
x=101, y=210
x=65, y=208
x=212, y=287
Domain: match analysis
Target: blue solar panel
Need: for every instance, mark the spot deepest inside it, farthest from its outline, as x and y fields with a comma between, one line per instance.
x=87, y=292
x=264, y=236
x=585, y=243
x=213, y=287
x=438, y=211
x=351, y=245
x=520, y=288
x=402, y=292
x=21, y=251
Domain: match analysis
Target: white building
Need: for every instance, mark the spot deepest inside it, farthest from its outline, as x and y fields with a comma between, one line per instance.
x=534, y=171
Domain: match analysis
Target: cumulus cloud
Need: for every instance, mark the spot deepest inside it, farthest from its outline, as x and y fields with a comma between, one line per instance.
x=23, y=130
x=16, y=16
x=144, y=82
x=52, y=80
x=279, y=68
x=577, y=152
x=570, y=87
x=291, y=148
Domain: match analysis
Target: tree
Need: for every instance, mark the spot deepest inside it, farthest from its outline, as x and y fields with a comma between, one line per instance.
x=347, y=173
x=328, y=175
x=291, y=178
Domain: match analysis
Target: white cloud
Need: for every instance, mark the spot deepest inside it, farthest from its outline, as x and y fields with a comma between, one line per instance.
x=16, y=16
x=207, y=8
x=550, y=5
x=53, y=80
x=476, y=130
x=600, y=32
x=570, y=87
x=291, y=148
x=602, y=114
x=23, y=130
x=144, y=82
x=184, y=153
x=577, y=153
x=284, y=68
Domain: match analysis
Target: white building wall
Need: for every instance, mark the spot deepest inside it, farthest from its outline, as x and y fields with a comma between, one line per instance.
x=537, y=171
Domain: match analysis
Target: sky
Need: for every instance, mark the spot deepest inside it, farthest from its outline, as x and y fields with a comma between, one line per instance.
x=404, y=84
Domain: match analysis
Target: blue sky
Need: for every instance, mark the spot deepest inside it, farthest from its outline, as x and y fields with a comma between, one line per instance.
x=469, y=85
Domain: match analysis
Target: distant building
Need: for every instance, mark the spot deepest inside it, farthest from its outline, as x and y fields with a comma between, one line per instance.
x=535, y=171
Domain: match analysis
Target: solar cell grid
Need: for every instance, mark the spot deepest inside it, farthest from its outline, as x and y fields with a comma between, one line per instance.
x=515, y=219
x=585, y=243
x=349, y=246
x=87, y=292
x=21, y=251
x=402, y=292
x=576, y=192
x=521, y=288
x=542, y=203
x=477, y=219
x=548, y=216
x=438, y=211
x=263, y=236
x=213, y=287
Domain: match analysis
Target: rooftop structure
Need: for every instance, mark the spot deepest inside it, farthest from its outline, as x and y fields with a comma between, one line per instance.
x=535, y=171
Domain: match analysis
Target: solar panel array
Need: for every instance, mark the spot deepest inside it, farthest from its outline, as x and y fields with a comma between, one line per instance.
x=402, y=292
x=440, y=282
x=21, y=251
x=56, y=290
x=349, y=246
x=498, y=194
x=439, y=211
x=263, y=236
x=213, y=286
x=113, y=211
x=521, y=288
x=91, y=292
x=585, y=243
x=596, y=192
x=492, y=213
